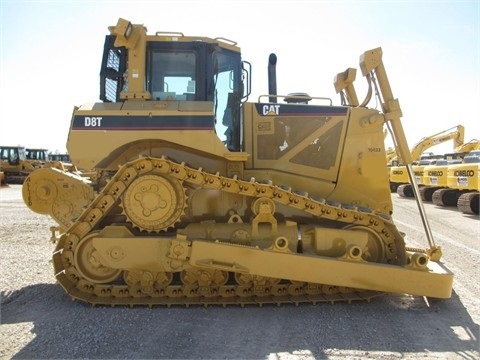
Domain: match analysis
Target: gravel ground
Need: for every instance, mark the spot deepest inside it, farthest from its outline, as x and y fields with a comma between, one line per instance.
x=39, y=321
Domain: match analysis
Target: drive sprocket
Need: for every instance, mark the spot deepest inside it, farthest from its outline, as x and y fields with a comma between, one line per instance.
x=154, y=203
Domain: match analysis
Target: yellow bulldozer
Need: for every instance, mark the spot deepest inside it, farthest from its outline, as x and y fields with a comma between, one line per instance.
x=203, y=197
x=16, y=164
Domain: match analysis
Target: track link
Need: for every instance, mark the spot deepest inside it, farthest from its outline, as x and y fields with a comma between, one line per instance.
x=284, y=292
x=426, y=192
x=468, y=203
x=445, y=197
x=405, y=190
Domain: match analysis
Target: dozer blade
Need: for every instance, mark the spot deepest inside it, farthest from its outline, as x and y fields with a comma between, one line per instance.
x=421, y=277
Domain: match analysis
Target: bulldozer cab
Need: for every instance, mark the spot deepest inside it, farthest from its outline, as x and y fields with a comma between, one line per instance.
x=12, y=154
x=37, y=154
x=183, y=69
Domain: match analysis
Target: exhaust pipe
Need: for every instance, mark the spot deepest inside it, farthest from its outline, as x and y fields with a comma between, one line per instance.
x=272, y=77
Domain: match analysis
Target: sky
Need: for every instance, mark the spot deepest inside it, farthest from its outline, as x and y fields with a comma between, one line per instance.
x=50, y=55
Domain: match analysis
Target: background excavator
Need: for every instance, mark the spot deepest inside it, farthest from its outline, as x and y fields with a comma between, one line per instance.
x=399, y=181
x=202, y=197
x=435, y=176
x=463, y=184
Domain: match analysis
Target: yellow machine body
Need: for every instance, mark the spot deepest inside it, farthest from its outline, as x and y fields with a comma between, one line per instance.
x=435, y=176
x=16, y=165
x=194, y=195
x=397, y=171
x=462, y=185
x=464, y=176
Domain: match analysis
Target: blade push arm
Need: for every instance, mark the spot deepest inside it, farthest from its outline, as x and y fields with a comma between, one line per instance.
x=372, y=67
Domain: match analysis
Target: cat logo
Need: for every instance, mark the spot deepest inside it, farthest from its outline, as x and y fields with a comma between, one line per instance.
x=271, y=109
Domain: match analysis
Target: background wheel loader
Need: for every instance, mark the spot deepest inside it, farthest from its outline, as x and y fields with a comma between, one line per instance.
x=202, y=197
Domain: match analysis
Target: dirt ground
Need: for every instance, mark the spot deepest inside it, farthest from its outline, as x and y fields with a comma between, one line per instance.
x=39, y=321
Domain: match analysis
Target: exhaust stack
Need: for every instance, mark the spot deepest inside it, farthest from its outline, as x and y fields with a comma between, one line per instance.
x=272, y=77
